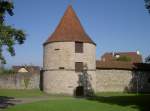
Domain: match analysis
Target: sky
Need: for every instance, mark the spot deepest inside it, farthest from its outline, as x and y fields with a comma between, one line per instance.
x=114, y=25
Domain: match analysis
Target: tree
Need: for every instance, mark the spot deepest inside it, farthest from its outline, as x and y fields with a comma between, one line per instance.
x=9, y=36
x=124, y=58
x=147, y=59
x=147, y=5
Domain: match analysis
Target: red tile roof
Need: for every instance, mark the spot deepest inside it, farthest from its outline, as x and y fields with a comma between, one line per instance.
x=135, y=58
x=109, y=61
x=114, y=65
x=69, y=29
x=122, y=65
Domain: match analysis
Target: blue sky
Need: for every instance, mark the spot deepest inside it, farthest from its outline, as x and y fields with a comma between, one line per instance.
x=115, y=25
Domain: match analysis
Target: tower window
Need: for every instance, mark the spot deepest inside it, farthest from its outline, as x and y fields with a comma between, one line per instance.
x=79, y=47
x=61, y=68
x=56, y=49
x=78, y=66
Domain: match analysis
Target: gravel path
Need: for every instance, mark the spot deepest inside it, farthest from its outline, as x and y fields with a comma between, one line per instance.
x=6, y=102
x=28, y=100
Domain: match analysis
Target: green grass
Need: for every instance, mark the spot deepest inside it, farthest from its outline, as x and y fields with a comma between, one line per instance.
x=107, y=94
x=69, y=105
x=21, y=93
x=113, y=101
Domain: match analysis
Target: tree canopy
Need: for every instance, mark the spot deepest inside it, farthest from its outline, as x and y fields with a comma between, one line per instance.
x=9, y=36
x=124, y=58
x=147, y=59
x=147, y=5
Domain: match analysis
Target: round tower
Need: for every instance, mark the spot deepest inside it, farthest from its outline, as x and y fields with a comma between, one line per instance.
x=69, y=61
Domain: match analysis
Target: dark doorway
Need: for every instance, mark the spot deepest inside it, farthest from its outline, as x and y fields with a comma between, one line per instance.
x=79, y=91
x=41, y=80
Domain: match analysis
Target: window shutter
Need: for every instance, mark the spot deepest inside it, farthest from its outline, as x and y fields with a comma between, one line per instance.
x=79, y=47
x=78, y=66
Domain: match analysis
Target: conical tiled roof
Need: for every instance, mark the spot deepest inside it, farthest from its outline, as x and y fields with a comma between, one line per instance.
x=69, y=29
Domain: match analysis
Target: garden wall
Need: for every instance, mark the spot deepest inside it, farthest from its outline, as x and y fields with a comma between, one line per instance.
x=20, y=81
x=107, y=80
x=111, y=80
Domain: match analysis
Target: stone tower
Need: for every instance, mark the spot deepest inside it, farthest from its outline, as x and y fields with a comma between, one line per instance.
x=69, y=54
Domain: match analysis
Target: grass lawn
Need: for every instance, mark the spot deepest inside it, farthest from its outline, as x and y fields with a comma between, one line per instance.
x=69, y=105
x=21, y=93
x=102, y=102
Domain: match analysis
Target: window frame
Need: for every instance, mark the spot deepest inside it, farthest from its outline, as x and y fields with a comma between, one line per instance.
x=79, y=47
x=79, y=66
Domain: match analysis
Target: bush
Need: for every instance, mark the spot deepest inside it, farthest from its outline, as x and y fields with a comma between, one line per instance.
x=147, y=59
x=124, y=58
x=7, y=71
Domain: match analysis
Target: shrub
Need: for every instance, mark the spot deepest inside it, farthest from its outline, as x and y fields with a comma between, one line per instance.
x=147, y=59
x=7, y=71
x=124, y=58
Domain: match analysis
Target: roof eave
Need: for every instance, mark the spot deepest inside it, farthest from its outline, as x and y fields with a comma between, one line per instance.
x=45, y=43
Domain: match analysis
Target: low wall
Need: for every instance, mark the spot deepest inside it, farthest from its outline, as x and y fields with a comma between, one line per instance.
x=122, y=81
x=20, y=81
x=106, y=81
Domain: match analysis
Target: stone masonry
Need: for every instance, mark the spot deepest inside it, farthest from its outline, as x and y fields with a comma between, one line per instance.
x=62, y=54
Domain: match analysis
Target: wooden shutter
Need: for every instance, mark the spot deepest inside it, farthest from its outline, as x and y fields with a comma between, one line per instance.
x=78, y=66
x=79, y=47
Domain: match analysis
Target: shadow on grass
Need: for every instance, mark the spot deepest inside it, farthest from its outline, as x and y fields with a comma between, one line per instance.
x=140, y=102
x=6, y=102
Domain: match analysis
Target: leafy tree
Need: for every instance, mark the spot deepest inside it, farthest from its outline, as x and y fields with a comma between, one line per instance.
x=124, y=58
x=147, y=5
x=7, y=71
x=9, y=36
x=147, y=59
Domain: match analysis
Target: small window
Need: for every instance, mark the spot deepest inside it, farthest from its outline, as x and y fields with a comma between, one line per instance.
x=78, y=66
x=57, y=49
x=79, y=47
x=61, y=68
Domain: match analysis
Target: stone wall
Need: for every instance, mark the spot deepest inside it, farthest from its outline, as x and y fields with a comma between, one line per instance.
x=59, y=66
x=62, y=54
x=122, y=81
x=64, y=82
x=106, y=81
x=20, y=81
